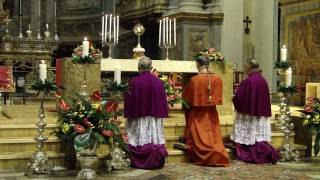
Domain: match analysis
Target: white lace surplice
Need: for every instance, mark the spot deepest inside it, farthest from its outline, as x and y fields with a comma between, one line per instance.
x=251, y=129
x=145, y=130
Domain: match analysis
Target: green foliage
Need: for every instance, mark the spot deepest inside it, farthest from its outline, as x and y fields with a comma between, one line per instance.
x=282, y=65
x=45, y=87
x=284, y=89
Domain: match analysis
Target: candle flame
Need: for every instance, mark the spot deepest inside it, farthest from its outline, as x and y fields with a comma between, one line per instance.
x=43, y=62
x=284, y=46
x=85, y=38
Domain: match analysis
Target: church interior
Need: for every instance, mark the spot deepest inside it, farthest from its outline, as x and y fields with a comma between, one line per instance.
x=40, y=39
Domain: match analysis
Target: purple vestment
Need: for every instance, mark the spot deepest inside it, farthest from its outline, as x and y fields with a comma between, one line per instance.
x=252, y=96
x=145, y=105
x=146, y=97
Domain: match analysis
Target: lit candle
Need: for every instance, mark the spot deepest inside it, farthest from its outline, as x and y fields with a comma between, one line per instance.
x=85, y=47
x=160, y=32
x=117, y=29
x=110, y=36
x=114, y=29
x=174, y=32
x=288, y=77
x=170, y=21
x=102, y=30
x=167, y=30
x=117, y=74
x=47, y=26
x=283, y=53
x=29, y=27
x=106, y=28
x=43, y=71
x=164, y=31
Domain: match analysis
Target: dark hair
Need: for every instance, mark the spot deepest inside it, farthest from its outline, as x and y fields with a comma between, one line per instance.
x=202, y=60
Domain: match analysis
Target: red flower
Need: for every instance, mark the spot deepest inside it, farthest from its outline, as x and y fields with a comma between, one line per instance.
x=308, y=108
x=63, y=105
x=87, y=123
x=210, y=50
x=111, y=106
x=125, y=137
x=96, y=96
x=107, y=133
x=79, y=129
x=155, y=72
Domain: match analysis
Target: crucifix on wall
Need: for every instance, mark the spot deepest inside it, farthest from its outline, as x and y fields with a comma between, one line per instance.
x=247, y=21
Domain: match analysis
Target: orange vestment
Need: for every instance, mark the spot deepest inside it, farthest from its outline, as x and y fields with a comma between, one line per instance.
x=202, y=132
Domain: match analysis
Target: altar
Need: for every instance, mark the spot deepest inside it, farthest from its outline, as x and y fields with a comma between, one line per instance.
x=186, y=68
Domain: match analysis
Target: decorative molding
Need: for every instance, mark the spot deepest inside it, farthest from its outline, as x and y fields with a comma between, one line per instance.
x=198, y=40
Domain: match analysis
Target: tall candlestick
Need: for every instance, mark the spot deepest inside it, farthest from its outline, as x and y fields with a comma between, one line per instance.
x=164, y=31
x=114, y=29
x=29, y=27
x=117, y=29
x=110, y=36
x=43, y=71
x=167, y=30
x=283, y=53
x=160, y=32
x=85, y=47
x=117, y=74
x=102, y=30
x=174, y=32
x=106, y=28
x=170, y=22
x=288, y=77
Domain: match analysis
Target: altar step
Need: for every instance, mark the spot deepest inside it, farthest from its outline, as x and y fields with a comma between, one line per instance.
x=19, y=161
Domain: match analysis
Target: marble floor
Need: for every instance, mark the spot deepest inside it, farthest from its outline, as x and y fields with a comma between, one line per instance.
x=304, y=169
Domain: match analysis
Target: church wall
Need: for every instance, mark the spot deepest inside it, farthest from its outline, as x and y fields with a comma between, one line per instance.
x=232, y=31
x=265, y=38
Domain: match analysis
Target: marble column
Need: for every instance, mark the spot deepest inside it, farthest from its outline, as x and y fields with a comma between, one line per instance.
x=173, y=4
x=213, y=6
x=190, y=5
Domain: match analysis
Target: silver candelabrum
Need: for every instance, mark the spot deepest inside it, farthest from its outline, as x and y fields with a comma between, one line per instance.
x=167, y=34
x=20, y=27
x=109, y=44
x=284, y=124
x=39, y=164
x=84, y=82
x=167, y=46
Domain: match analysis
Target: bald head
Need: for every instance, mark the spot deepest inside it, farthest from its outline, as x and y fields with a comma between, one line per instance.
x=145, y=64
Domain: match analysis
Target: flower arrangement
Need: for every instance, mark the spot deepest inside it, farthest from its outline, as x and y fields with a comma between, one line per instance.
x=282, y=65
x=88, y=122
x=311, y=115
x=173, y=87
x=115, y=89
x=287, y=89
x=93, y=57
x=212, y=54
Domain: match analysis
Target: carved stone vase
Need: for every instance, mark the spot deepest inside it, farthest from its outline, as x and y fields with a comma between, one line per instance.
x=87, y=157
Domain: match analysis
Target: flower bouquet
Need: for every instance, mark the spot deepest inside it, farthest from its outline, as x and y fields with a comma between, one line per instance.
x=212, y=54
x=93, y=58
x=89, y=122
x=311, y=115
x=173, y=87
